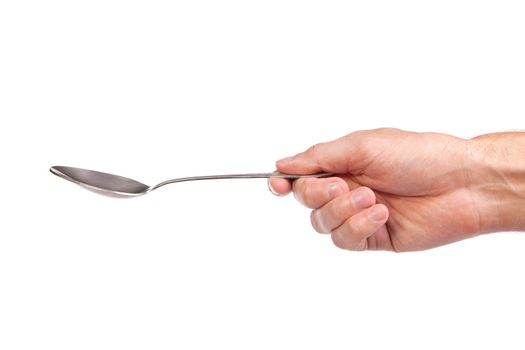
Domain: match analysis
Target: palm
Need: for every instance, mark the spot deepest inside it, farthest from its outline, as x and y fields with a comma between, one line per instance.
x=426, y=197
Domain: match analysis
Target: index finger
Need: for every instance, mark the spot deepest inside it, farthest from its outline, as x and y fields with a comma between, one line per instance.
x=279, y=186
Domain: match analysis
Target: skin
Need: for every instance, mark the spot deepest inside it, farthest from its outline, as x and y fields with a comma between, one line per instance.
x=404, y=191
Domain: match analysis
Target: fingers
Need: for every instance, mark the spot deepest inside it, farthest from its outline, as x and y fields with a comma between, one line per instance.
x=338, y=210
x=311, y=192
x=353, y=233
x=314, y=193
x=350, y=216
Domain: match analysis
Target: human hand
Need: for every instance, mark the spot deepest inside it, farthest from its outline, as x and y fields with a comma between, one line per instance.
x=400, y=191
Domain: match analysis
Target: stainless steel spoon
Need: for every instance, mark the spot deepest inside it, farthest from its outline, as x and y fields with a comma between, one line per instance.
x=119, y=186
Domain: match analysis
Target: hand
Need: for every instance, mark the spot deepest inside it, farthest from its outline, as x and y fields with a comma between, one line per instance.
x=397, y=190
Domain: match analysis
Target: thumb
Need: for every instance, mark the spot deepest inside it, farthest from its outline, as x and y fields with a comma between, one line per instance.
x=335, y=156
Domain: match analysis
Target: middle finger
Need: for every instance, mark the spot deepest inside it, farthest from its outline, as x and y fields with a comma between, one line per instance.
x=337, y=211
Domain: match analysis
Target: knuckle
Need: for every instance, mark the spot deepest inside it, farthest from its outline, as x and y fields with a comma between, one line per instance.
x=358, y=225
x=368, y=192
x=315, y=153
x=346, y=244
x=311, y=193
x=308, y=195
x=342, y=237
x=349, y=237
x=336, y=239
x=340, y=182
x=383, y=130
x=314, y=149
x=298, y=188
x=333, y=187
x=314, y=219
x=340, y=209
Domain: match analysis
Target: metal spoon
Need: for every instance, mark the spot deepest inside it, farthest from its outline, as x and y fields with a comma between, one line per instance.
x=119, y=186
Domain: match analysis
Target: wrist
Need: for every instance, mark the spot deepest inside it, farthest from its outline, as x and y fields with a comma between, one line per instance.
x=495, y=172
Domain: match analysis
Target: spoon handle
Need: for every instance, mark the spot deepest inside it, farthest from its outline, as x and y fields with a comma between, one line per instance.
x=243, y=176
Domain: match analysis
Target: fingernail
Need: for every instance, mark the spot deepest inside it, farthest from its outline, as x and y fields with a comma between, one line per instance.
x=272, y=190
x=334, y=190
x=377, y=214
x=360, y=200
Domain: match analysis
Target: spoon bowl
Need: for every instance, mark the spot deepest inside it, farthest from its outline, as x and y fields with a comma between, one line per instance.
x=120, y=186
x=102, y=183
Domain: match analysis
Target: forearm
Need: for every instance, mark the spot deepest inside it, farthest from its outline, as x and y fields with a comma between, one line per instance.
x=496, y=174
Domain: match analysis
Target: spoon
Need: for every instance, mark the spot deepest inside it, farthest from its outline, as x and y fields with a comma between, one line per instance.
x=119, y=186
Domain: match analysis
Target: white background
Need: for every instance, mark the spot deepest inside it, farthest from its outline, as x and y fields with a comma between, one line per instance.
x=154, y=90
